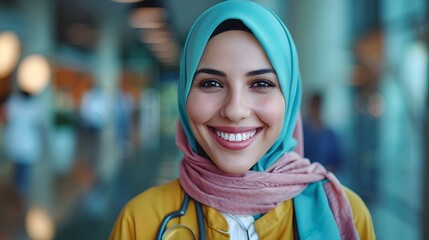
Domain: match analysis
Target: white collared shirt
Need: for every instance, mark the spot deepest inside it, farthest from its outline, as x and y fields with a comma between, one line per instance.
x=241, y=226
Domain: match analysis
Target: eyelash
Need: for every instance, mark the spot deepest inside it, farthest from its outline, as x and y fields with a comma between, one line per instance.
x=209, y=83
x=262, y=83
x=259, y=83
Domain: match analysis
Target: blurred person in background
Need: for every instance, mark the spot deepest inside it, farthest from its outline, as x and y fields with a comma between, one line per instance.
x=321, y=143
x=24, y=138
x=242, y=175
x=124, y=117
x=94, y=113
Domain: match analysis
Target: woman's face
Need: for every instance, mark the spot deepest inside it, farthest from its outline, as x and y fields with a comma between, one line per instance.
x=235, y=105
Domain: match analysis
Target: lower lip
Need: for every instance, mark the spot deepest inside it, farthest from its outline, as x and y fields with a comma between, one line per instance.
x=234, y=145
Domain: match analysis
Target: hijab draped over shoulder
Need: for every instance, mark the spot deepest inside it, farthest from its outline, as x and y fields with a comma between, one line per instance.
x=281, y=174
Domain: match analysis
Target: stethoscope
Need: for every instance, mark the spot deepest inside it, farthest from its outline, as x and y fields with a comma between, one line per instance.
x=181, y=212
x=200, y=220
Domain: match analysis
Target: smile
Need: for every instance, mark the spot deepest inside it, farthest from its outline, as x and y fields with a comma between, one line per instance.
x=235, y=137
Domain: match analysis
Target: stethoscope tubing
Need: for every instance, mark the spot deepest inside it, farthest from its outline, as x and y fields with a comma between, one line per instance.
x=182, y=212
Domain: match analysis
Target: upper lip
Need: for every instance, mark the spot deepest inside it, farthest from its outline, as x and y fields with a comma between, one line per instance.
x=229, y=129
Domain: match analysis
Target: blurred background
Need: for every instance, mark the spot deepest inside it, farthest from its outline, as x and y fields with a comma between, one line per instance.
x=88, y=106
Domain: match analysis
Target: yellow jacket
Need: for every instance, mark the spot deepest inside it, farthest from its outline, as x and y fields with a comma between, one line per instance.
x=142, y=216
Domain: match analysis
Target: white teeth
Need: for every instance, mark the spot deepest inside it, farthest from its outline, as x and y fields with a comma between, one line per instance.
x=235, y=137
x=238, y=138
x=231, y=138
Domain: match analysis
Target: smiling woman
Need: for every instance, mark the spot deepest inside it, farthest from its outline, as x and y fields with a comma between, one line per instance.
x=235, y=102
x=242, y=170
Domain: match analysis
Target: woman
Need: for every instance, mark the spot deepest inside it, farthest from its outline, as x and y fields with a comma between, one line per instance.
x=239, y=100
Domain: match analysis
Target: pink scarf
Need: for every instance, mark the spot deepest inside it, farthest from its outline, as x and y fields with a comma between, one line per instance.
x=259, y=192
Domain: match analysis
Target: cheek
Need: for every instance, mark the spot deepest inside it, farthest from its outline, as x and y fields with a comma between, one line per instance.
x=198, y=108
x=272, y=111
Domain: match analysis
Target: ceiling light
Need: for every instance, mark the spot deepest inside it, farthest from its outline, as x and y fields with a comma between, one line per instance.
x=39, y=224
x=33, y=74
x=9, y=52
x=147, y=17
x=157, y=36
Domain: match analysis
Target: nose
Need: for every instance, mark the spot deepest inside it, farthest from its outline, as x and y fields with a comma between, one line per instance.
x=235, y=106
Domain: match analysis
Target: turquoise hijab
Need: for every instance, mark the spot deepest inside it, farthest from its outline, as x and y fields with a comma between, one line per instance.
x=277, y=42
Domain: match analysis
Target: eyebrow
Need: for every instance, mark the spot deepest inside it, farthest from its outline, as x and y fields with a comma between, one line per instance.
x=223, y=74
x=260, y=72
x=210, y=71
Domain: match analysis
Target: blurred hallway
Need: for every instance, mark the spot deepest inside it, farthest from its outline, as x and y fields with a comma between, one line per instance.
x=94, y=212
x=106, y=107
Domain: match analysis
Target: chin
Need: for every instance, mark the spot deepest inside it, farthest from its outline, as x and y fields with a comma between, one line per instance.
x=234, y=170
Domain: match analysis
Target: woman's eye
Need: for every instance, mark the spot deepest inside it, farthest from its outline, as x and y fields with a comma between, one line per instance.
x=209, y=83
x=262, y=84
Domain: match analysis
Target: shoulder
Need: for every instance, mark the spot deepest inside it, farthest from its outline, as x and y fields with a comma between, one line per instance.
x=361, y=215
x=156, y=194
x=140, y=217
x=155, y=201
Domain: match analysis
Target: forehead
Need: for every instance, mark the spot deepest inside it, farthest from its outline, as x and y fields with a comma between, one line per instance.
x=234, y=47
